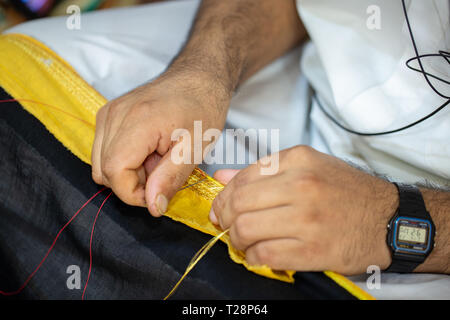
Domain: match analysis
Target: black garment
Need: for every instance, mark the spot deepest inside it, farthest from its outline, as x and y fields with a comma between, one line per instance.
x=42, y=185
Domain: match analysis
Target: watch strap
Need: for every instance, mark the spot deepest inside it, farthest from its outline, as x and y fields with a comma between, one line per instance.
x=411, y=202
x=402, y=266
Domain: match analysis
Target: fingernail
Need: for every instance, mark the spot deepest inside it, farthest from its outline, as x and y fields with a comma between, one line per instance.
x=212, y=217
x=161, y=203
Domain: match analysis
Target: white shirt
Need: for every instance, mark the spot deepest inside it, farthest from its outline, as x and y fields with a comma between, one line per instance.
x=357, y=65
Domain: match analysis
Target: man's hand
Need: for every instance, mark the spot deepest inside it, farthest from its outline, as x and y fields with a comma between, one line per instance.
x=132, y=147
x=230, y=41
x=317, y=213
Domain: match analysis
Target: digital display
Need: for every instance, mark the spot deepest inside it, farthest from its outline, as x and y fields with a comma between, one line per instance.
x=412, y=234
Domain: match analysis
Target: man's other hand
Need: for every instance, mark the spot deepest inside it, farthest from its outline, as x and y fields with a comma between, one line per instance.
x=317, y=213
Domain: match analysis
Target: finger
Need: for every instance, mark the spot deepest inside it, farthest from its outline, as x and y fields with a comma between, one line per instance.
x=151, y=162
x=97, y=146
x=126, y=184
x=285, y=254
x=231, y=178
x=164, y=181
x=235, y=199
x=250, y=228
x=114, y=118
x=225, y=175
x=234, y=177
x=122, y=163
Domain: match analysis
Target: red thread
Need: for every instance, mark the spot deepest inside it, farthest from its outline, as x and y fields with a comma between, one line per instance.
x=68, y=223
x=74, y=216
x=90, y=245
x=51, y=247
x=47, y=105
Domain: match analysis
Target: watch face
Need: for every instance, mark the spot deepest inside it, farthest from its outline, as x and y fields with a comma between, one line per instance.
x=412, y=235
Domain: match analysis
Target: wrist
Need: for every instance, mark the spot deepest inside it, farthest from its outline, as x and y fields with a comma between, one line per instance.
x=199, y=86
x=218, y=48
x=388, y=208
x=203, y=80
x=210, y=68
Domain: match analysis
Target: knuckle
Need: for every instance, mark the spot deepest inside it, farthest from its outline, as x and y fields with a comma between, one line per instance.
x=241, y=178
x=218, y=203
x=131, y=200
x=143, y=108
x=312, y=218
x=302, y=153
x=318, y=254
x=112, y=107
x=242, y=231
x=264, y=254
x=143, y=105
x=306, y=182
x=347, y=257
x=109, y=168
x=314, y=248
x=312, y=253
x=96, y=176
x=236, y=200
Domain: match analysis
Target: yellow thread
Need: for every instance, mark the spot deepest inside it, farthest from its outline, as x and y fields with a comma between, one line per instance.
x=198, y=256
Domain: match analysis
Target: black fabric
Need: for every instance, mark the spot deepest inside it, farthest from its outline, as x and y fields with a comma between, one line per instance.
x=135, y=256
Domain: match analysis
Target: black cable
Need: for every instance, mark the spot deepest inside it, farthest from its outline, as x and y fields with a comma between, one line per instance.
x=445, y=55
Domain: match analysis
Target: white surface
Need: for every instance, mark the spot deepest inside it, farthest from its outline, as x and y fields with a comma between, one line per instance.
x=395, y=286
x=117, y=50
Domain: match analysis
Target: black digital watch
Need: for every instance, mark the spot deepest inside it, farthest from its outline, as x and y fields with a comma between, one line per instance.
x=411, y=231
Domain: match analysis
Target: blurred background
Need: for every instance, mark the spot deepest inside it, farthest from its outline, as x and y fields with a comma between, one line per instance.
x=13, y=12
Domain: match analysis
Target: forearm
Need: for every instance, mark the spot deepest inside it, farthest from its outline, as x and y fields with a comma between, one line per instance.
x=438, y=204
x=232, y=39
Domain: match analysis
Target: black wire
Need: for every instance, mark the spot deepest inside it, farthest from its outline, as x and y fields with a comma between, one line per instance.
x=445, y=55
x=383, y=132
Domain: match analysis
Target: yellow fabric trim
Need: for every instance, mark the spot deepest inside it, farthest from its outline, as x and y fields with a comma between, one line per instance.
x=30, y=70
x=191, y=206
x=349, y=286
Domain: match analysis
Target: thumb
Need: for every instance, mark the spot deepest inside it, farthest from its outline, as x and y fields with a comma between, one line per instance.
x=164, y=181
x=225, y=175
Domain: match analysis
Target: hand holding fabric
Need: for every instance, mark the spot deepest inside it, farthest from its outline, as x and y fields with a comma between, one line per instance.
x=133, y=138
x=317, y=213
